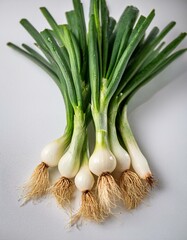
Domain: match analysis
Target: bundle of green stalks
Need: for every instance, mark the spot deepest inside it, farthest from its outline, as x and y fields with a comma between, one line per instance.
x=98, y=68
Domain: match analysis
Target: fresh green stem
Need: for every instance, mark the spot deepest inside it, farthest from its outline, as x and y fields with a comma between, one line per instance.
x=93, y=63
x=101, y=127
x=121, y=66
x=55, y=75
x=85, y=159
x=100, y=119
x=74, y=61
x=69, y=117
x=99, y=39
x=68, y=130
x=125, y=130
x=112, y=115
x=113, y=110
x=70, y=162
x=64, y=71
x=105, y=36
x=146, y=75
x=77, y=141
x=39, y=60
x=145, y=52
x=65, y=139
x=79, y=119
x=85, y=151
x=123, y=30
x=79, y=133
x=81, y=28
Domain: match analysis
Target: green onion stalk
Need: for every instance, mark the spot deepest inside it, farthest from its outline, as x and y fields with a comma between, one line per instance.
x=38, y=184
x=64, y=48
x=97, y=72
x=73, y=39
x=145, y=69
x=74, y=162
x=84, y=182
x=106, y=71
x=133, y=190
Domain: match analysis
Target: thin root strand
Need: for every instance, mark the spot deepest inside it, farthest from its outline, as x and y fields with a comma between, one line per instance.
x=62, y=191
x=132, y=188
x=89, y=209
x=37, y=185
x=108, y=193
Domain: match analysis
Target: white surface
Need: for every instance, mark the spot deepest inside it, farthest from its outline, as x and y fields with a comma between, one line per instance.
x=32, y=114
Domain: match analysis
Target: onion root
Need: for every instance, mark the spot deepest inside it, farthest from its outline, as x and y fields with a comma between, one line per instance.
x=150, y=181
x=108, y=193
x=62, y=190
x=89, y=209
x=132, y=188
x=37, y=185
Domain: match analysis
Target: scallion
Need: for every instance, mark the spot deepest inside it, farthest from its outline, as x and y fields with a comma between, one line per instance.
x=97, y=71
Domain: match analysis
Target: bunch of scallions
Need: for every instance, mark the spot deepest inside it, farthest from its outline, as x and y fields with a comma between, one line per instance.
x=98, y=68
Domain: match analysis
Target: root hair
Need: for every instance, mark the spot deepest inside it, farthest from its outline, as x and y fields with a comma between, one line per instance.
x=108, y=193
x=89, y=209
x=132, y=188
x=37, y=185
x=62, y=190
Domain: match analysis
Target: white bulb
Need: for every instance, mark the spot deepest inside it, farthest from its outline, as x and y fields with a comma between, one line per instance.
x=122, y=158
x=102, y=161
x=52, y=153
x=68, y=165
x=84, y=180
x=139, y=162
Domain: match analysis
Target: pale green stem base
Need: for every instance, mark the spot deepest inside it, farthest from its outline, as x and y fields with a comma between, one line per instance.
x=112, y=133
x=126, y=131
x=78, y=137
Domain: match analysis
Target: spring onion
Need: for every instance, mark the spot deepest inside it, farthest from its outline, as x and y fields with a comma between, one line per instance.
x=97, y=71
x=84, y=181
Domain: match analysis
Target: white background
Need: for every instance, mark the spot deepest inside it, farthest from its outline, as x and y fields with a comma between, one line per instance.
x=32, y=114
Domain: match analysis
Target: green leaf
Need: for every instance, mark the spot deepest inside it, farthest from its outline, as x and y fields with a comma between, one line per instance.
x=147, y=48
x=76, y=49
x=75, y=63
x=151, y=57
x=158, y=70
x=93, y=63
x=111, y=26
x=57, y=31
x=38, y=61
x=38, y=56
x=151, y=36
x=138, y=57
x=34, y=33
x=121, y=66
x=37, y=37
x=128, y=29
x=122, y=33
x=105, y=37
x=111, y=36
x=53, y=25
x=67, y=80
x=153, y=65
x=81, y=24
x=91, y=10
x=145, y=42
x=99, y=35
x=57, y=34
x=139, y=23
x=72, y=23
